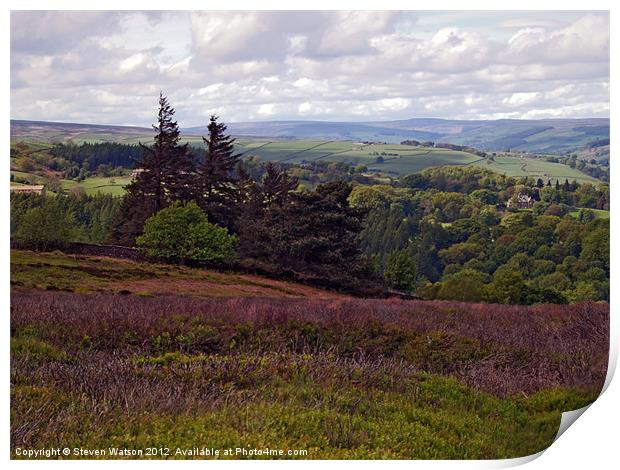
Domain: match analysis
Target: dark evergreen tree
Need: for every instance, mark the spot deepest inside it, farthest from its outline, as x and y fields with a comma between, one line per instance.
x=277, y=185
x=431, y=239
x=257, y=199
x=312, y=236
x=216, y=182
x=166, y=174
x=95, y=154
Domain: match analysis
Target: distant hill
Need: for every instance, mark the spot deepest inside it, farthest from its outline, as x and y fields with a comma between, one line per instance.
x=548, y=135
x=541, y=136
x=44, y=131
x=324, y=130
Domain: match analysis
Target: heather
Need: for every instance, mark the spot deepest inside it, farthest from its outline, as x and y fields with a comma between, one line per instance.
x=343, y=378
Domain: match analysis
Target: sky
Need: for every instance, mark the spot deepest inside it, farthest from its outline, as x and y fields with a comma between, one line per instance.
x=109, y=67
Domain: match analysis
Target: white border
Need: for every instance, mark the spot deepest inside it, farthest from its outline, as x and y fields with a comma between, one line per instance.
x=591, y=442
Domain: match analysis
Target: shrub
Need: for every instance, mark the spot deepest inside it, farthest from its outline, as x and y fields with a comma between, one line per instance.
x=183, y=233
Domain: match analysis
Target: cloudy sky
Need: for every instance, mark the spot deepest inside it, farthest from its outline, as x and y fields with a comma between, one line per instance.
x=108, y=67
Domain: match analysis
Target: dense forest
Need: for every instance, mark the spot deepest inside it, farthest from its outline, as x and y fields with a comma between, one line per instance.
x=447, y=234
x=453, y=232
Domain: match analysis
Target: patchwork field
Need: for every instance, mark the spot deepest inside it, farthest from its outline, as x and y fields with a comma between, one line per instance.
x=397, y=159
x=393, y=160
x=535, y=168
x=114, y=185
x=549, y=135
x=237, y=361
x=31, y=178
x=96, y=184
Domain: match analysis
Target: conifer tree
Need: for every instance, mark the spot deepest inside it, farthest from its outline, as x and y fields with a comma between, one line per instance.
x=566, y=185
x=166, y=174
x=167, y=167
x=215, y=173
x=277, y=185
x=311, y=236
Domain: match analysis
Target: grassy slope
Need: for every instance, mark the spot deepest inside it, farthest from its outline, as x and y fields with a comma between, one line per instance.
x=87, y=274
x=341, y=378
x=108, y=185
x=407, y=159
x=603, y=214
x=30, y=177
x=535, y=168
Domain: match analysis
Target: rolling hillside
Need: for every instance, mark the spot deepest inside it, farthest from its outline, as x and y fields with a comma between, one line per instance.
x=394, y=159
x=542, y=136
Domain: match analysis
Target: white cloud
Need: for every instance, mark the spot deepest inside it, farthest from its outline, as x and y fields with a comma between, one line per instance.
x=394, y=104
x=110, y=66
x=586, y=40
x=131, y=62
x=521, y=99
x=210, y=89
x=266, y=109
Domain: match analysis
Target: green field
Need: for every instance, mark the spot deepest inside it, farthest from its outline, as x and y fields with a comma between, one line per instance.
x=28, y=178
x=107, y=185
x=110, y=185
x=535, y=168
x=601, y=214
x=400, y=159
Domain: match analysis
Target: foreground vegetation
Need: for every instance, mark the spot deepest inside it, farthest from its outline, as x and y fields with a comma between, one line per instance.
x=340, y=378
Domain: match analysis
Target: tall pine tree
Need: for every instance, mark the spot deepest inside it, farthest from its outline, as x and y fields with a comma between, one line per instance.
x=167, y=173
x=216, y=175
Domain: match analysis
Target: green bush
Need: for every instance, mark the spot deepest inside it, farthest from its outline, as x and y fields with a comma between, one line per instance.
x=183, y=233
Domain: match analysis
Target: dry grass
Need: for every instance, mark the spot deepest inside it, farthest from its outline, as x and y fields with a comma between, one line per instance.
x=89, y=274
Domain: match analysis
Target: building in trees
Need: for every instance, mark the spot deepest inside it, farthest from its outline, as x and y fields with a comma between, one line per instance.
x=28, y=189
x=520, y=201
